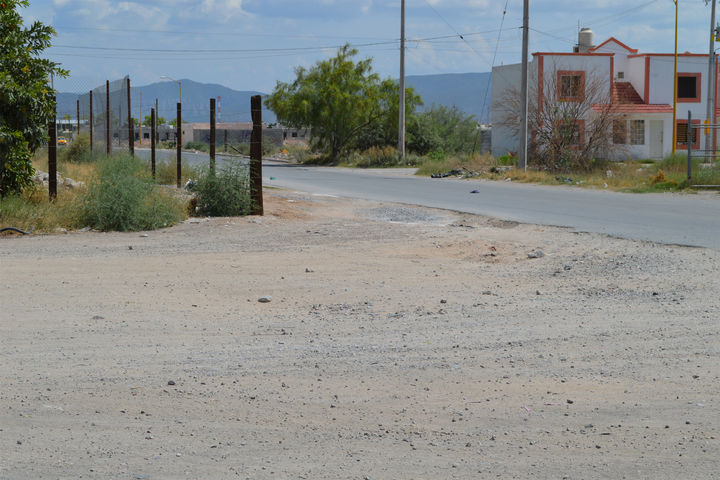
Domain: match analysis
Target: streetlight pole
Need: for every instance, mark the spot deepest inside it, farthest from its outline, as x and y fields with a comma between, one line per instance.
x=711, y=81
x=522, y=147
x=675, y=84
x=401, y=106
x=176, y=81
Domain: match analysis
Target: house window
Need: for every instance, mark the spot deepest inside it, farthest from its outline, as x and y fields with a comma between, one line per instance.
x=682, y=135
x=571, y=86
x=619, y=132
x=572, y=133
x=637, y=132
x=688, y=87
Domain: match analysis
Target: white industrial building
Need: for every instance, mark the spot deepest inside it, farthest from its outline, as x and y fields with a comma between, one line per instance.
x=638, y=86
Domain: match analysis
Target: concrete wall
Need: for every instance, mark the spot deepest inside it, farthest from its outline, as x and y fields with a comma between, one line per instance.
x=503, y=138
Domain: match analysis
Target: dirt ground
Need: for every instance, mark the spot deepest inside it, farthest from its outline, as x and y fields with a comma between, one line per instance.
x=399, y=343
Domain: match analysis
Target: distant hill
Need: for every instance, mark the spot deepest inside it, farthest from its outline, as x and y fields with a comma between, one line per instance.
x=234, y=105
x=467, y=91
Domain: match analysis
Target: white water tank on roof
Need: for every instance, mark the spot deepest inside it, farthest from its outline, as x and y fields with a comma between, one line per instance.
x=585, y=40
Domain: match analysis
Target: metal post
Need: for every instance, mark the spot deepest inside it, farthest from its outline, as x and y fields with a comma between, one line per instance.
x=52, y=154
x=152, y=142
x=256, y=155
x=157, y=114
x=91, y=120
x=689, y=144
x=522, y=147
x=178, y=138
x=107, y=118
x=77, y=118
x=401, y=104
x=131, y=124
x=711, y=81
x=212, y=136
x=142, y=119
x=225, y=140
x=675, y=82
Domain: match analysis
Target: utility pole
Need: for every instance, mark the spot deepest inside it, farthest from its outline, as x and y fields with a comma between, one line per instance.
x=401, y=123
x=522, y=149
x=711, y=82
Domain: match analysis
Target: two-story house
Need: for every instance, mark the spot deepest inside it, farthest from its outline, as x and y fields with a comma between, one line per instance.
x=637, y=88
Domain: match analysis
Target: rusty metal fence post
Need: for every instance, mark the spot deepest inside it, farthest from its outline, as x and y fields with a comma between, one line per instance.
x=131, y=124
x=256, y=155
x=52, y=154
x=91, y=120
x=178, y=138
x=152, y=142
x=108, y=147
x=212, y=136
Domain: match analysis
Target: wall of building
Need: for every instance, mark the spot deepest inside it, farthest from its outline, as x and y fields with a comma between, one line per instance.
x=503, y=138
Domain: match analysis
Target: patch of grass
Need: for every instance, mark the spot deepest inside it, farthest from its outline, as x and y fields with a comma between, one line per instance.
x=224, y=193
x=78, y=150
x=33, y=210
x=199, y=146
x=375, y=157
x=166, y=173
x=123, y=198
x=440, y=163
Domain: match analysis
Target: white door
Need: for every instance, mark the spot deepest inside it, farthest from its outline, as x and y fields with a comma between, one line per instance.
x=656, y=139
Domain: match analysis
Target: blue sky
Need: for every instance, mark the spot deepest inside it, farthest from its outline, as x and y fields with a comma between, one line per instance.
x=251, y=44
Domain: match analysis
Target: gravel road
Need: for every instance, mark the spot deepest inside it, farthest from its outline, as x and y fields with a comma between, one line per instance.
x=398, y=343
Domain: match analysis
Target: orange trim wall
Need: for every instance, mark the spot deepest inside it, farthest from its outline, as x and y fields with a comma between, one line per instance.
x=613, y=39
x=612, y=76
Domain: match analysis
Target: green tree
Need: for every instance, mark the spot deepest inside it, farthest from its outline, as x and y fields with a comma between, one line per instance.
x=26, y=99
x=384, y=130
x=337, y=99
x=147, y=121
x=444, y=129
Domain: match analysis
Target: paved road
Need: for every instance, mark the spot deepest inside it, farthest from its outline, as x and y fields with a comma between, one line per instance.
x=665, y=218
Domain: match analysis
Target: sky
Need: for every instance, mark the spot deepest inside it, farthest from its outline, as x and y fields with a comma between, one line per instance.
x=253, y=44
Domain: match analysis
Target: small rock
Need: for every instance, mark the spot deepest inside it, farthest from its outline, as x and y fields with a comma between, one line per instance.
x=98, y=317
x=308, y=270
x=85, y=229
x=19, y=442
x=265, y=299
x=567, y=268
x=144, y=235
x=171, y=382
x=129, y=247
x=536, y=254
x=570, y=401
x=443, y=300
x=537, y=292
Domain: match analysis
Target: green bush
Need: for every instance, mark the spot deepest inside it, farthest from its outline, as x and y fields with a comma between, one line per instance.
x=224, y=193
x=123, y=198
x=199, y=146
x=78, y=150
x=378, y=157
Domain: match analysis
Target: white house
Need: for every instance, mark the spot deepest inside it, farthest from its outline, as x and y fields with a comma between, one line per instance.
x=638, y=86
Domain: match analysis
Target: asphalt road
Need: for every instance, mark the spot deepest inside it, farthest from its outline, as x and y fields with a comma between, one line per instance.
x=683, y=219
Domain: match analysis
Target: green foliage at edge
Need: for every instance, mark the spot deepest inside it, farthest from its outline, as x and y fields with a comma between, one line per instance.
x=26, y=100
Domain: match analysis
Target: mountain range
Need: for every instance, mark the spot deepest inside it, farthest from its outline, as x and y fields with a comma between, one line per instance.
x=469, y=92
